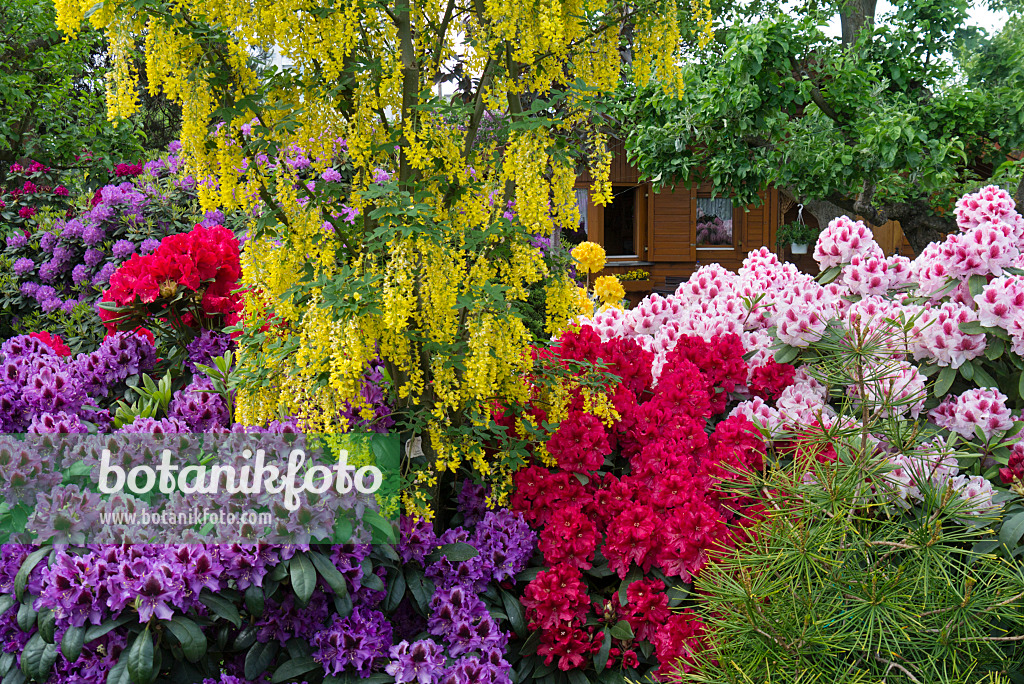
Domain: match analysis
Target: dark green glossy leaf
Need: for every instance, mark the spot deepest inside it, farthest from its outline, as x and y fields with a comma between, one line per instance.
x=141, y=658
x=72, y=642
x=192, y=640
x=303, y=577
x=293, y=668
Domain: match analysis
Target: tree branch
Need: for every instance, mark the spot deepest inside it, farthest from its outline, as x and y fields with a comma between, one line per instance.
x=825, y=107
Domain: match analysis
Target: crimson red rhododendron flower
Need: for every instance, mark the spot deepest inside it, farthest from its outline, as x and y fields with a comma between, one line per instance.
x=204, y=261
x=557, y=596
x=637, y=501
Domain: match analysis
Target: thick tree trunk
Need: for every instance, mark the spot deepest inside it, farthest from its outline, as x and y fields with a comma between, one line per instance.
x=921, y=229
x=824, y=211
x=856, y=15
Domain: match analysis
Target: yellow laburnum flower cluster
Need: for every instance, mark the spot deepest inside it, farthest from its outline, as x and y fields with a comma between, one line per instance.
x=700, y=10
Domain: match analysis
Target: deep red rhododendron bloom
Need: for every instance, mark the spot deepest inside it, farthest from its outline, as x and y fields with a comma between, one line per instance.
x=720, y=359
x=569, y=537
x=655, y=505
x=632, y=538
x=685, y=390
x=206, y=260
x=688, y=532
x=556, y=596
x=677, y=644
x=769, y=380
x=580, y=443
x=568, y=643
x=647, y=607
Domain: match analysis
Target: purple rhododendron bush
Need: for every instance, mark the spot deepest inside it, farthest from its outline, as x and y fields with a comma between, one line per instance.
x=765, y=472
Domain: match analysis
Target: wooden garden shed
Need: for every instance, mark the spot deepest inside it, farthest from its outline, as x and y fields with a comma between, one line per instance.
x=670, y=233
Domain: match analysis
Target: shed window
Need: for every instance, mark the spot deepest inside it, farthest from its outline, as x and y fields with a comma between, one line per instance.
x=620, y=224
x=714, y=222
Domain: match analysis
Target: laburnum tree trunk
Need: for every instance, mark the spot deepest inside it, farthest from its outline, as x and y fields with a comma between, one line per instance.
x=854, y=16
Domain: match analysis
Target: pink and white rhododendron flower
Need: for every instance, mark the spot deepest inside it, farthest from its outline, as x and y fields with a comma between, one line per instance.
x=977, y=408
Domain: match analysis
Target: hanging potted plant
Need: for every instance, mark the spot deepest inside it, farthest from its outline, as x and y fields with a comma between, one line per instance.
x=799, y=236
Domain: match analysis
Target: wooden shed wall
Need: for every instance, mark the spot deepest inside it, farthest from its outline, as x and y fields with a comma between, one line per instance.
x=671, y=218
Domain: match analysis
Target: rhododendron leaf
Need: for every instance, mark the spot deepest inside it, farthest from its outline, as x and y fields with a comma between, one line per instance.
x=343, y=604
x=622, y=631
x=985, y=547
x=584, y=480
x=192, y=640
x=601, y=659
x=1011, y=531
x=577, y=677
x=79, y=469
x=258, y=659
x=967, y=370
x=830, y=274
x=529, y=648
x=38, y=658
x=422, y=589
x=31, y=561
x=141, y=658
x=396, y=591
x=279, y=572
x=119, y=673
x=980, y=434
x=786, y=354
x=372, y=582
x=255, y=600
x=633, y=575
x=335, y=580
x=47, y=622
x=529, y=574
x=600, y=569
x=6, y=661
x=983, y=379
x=515, y=613
x=999, y=333
x=972, y=328
x=545, y=671
x=221, y=607
x=383, y=529
x=676, y=594
x=6, y=601
x=944, y=381
x=96, y=631
x=26, y=617
x=342, y=530
x=303, y=577
x=976, y=284
x=245, y=638
x=298, y=647
x=294, y=668
x=994, y=349
x=456, y=552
